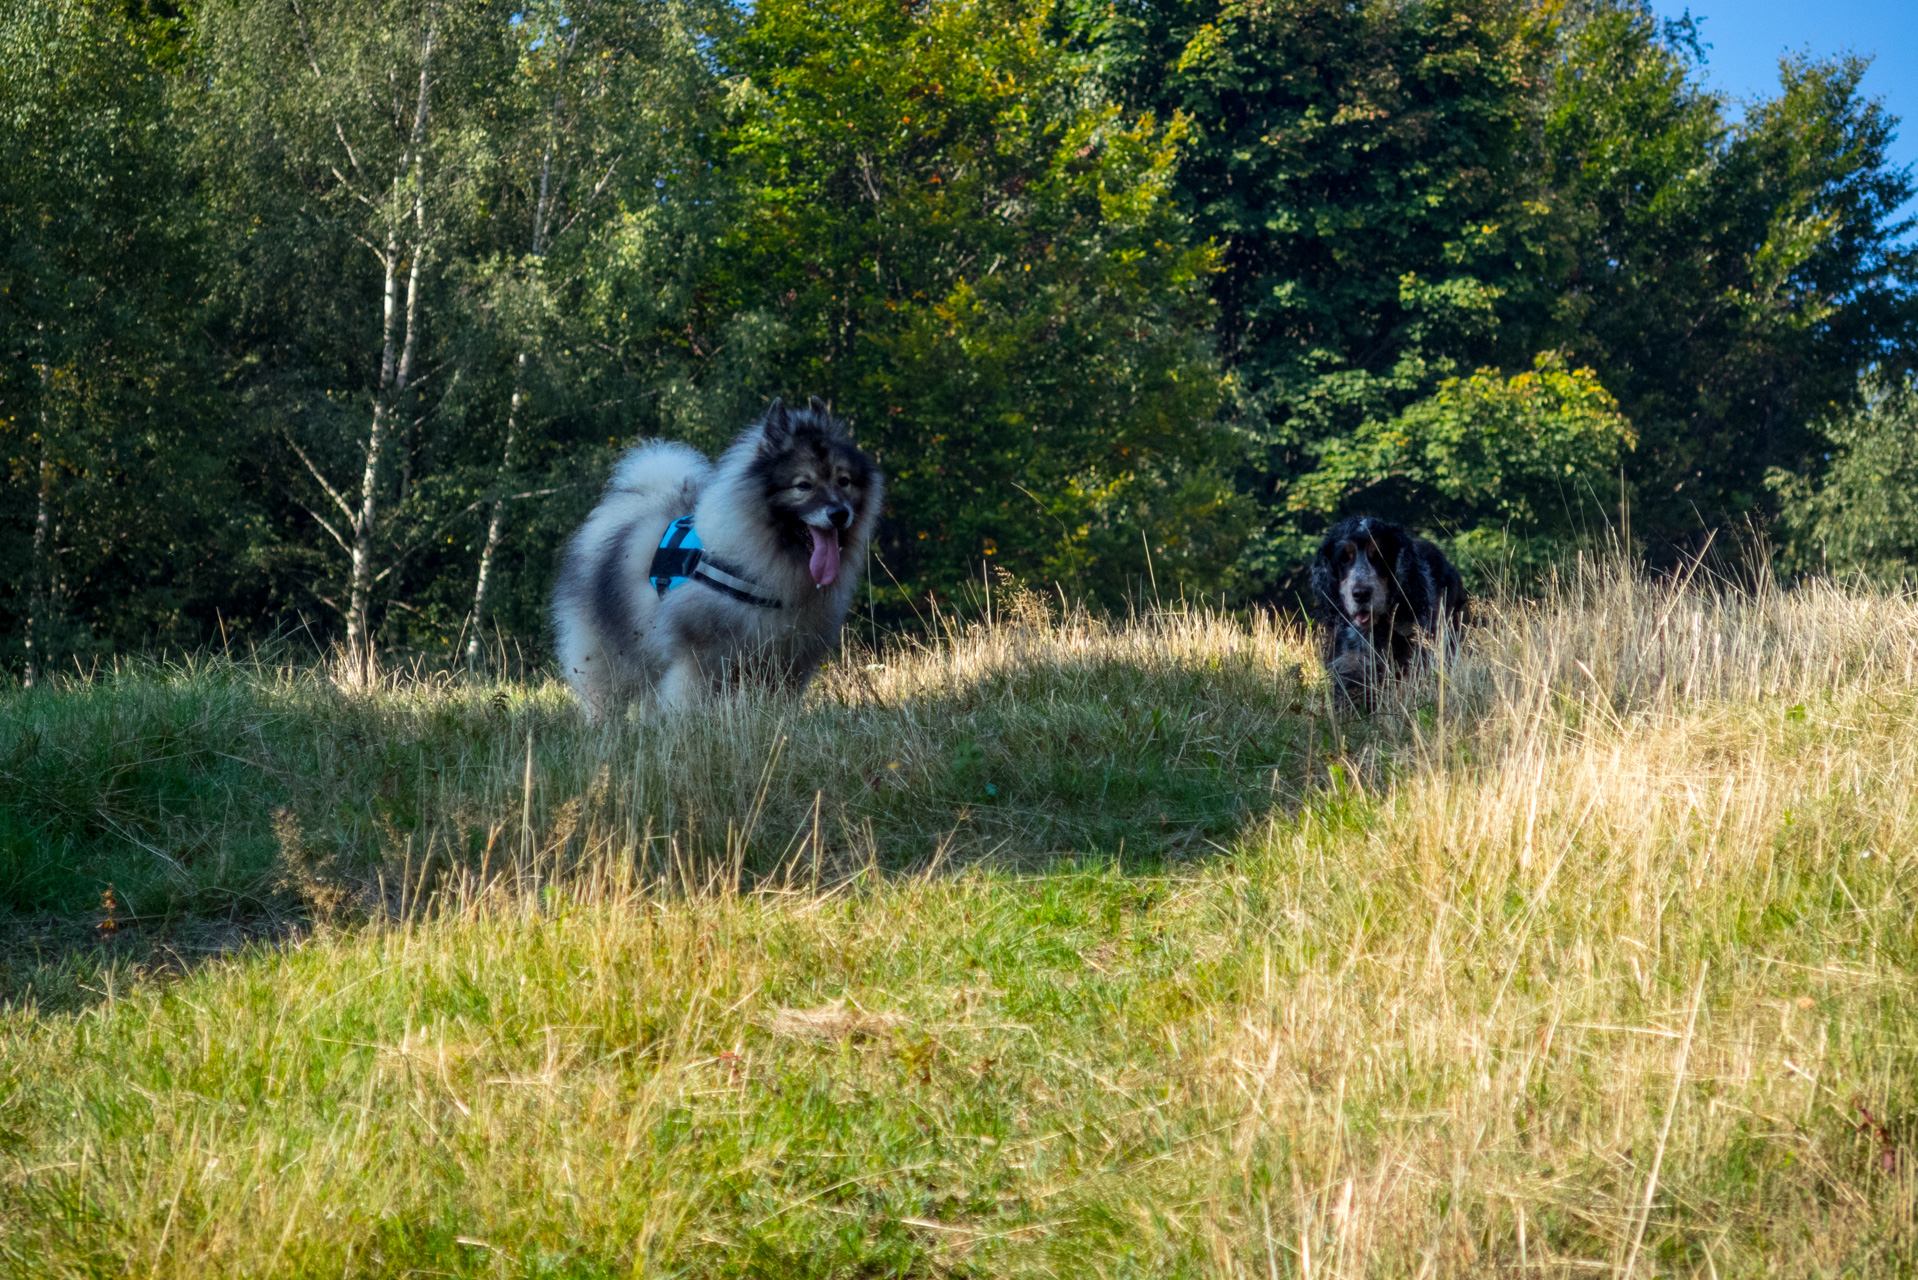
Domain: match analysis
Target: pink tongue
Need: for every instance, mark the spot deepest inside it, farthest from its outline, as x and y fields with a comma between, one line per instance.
x=825, y=556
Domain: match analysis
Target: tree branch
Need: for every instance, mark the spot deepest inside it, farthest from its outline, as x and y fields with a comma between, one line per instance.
x=299, y=18
x=318, y=475
x=455, y=518
x=404, y=551
x=378, y=253
x=348, y=187
x=598, y=187
x=324, y=524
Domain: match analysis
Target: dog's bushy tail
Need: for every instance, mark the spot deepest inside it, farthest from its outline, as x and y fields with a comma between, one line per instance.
x=658, y=470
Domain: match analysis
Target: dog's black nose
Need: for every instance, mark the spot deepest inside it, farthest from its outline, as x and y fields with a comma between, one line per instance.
x=841, y=516
x=1361, y=595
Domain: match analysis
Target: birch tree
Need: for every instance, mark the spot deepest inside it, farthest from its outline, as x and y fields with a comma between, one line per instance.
x=550, y=41
x=357, y=138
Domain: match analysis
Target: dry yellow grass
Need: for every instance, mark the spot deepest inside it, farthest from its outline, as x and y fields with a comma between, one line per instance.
x=1593, y=956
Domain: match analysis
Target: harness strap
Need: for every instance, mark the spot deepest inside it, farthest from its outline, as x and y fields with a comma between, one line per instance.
x=680, y=558
x=715, y=574
x=675, y=561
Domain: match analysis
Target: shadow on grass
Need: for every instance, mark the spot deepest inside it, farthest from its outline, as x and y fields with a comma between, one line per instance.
x=224, y=803
x=57, y=964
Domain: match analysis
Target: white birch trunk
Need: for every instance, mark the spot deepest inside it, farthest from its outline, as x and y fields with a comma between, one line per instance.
x=360, y=585
x=496, y=518
x=395, y=371
x=42, y=566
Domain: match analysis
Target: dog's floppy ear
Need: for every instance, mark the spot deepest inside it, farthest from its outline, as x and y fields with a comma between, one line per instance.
x=1412, y=582
x=1325, y=586
x=778, y=424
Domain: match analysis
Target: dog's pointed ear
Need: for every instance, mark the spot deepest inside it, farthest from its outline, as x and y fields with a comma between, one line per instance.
x=817, y=405
x=777, y=429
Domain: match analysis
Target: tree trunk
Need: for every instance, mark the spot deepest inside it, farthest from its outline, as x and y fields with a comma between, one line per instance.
x=360, y=587
x=395, y=372
x=42, y=567
x=496, y=519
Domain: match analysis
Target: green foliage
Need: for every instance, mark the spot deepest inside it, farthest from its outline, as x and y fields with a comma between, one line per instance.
x=977, y=258
x=116, y=530
x=1407, y=192
x=595, y=245
x=1861, y=516
x=1729, y=283
x=1534, y=458
x=349, y=158
x=489, y=251
x=1120, y=295
x=1364, y=169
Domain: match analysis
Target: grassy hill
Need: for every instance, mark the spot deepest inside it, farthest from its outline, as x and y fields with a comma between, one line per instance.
x=1052, y=948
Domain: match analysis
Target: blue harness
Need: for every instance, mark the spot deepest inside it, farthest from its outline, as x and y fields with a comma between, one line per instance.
x=681, y=558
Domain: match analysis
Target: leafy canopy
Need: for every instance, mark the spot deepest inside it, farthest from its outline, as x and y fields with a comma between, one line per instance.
x=972, y=252
x=1527, y=452
x=1862, y=516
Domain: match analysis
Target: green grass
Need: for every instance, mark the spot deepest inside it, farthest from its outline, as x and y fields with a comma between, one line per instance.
x=213, y=787
x=1597, y=958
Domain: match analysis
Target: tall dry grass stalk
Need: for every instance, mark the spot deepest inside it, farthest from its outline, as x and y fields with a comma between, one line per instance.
x=1592, y=954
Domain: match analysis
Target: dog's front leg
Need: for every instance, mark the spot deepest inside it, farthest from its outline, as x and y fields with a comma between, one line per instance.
x=1354, y=675
x=682, y=685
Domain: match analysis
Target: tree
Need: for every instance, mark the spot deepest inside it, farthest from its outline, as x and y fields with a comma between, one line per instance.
x=968, y=250
x=349, y=149
x=1861, y=515
x=118, y=524
x=1729, y=283
x=597, y=131
x=1407, y=192
x=1364, y=168
x=1510, y=467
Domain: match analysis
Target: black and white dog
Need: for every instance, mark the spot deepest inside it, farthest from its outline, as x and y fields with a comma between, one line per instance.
x=1380, y=596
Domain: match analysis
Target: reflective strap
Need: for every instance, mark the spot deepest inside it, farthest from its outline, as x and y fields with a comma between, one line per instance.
x=712, y=573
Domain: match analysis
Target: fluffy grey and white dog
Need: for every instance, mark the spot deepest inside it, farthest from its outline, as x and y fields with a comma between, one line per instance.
x=691, y=574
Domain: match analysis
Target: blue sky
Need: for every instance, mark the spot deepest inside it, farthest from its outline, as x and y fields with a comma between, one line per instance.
x=1747, y=37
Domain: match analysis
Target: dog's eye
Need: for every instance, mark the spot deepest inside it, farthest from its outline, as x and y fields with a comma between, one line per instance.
x=804, y=486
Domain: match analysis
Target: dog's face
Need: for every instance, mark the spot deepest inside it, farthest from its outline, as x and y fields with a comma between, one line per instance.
x=1362, y=568
x=1362, y=589
x=819, y=484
